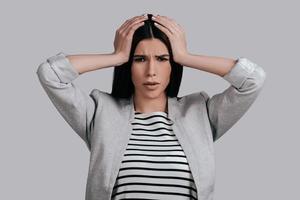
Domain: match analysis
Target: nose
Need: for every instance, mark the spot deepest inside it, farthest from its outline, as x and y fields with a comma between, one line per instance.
x=151, y=68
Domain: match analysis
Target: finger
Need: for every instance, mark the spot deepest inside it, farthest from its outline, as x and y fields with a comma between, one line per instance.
x=164, y=26
x=181, y=28
x=173, y=23
x=125, y=24
x=167, y=22
x=133, y=21
x=133, y=27
x=164, y=29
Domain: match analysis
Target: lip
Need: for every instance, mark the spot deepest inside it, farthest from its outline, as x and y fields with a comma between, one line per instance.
x=151, y=86
x=151, y=83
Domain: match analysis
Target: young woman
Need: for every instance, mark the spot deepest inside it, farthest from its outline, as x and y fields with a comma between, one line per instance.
x=145, y=142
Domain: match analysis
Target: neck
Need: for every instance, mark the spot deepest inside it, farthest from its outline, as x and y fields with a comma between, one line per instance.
x=145, y=105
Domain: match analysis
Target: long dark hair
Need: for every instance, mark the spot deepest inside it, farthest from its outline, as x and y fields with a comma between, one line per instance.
x=122, y=86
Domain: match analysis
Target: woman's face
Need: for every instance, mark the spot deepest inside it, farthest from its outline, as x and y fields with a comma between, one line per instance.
x=150, y=63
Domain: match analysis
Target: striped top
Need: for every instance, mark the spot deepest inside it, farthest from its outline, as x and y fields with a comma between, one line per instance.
x=154, y=165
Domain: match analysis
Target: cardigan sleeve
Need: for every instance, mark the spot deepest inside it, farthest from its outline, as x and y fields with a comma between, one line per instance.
x=246, y=80
x=56, y=76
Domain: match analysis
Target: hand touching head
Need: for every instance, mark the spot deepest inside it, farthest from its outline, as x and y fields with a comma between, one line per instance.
x=123, y=36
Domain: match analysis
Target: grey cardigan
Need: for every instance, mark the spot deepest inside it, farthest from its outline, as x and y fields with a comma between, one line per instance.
x=104, y=123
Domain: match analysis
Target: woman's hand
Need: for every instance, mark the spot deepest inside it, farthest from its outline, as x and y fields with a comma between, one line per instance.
x=176, y=36
x=124, y=34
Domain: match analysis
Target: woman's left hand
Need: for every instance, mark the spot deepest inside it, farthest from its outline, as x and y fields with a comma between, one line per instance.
x=175, y=34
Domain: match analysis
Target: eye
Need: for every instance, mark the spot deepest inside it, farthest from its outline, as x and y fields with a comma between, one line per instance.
x=138, y=59
x=162, y=59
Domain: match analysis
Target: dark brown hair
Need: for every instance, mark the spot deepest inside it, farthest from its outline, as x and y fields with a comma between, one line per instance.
x=122, y=86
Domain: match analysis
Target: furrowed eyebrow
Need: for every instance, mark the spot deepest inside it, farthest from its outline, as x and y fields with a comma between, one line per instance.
x=163, y=55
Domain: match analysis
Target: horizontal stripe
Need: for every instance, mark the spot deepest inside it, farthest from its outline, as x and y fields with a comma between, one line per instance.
x=156, y=192
x=157, y=184
x=154, y=165
x=160, y=169
x=136, y=154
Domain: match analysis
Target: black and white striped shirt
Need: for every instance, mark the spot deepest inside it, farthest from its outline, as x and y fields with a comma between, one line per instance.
x=154, y=165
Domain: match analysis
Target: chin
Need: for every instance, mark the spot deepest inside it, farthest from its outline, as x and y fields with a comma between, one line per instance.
x=153, y=94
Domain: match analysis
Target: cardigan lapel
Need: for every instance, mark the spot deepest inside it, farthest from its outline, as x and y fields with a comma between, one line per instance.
x=178, y=129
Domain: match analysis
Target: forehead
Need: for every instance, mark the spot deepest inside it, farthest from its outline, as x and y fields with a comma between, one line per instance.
x=151, y=46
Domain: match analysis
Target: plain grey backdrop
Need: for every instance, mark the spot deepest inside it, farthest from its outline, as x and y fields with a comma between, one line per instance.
x=43, y=158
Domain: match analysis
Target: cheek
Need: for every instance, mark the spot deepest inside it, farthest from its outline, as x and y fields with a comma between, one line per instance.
x=166, y=75
x=136, y=75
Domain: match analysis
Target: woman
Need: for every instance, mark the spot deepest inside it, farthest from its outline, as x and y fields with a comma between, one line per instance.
x=146, y=142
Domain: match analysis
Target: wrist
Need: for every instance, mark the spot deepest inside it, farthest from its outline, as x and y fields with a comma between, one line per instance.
x=182, y=58
x=120, y=58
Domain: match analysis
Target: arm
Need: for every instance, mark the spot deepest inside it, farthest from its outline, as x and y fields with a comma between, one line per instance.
x=245, y=77
x=90, y=62
x=56, y=76
x=246, y=81
x=226, y=108
x=212, y=64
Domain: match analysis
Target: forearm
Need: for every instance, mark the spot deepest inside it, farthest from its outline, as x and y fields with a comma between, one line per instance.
x=90, y=62
x=213, y=64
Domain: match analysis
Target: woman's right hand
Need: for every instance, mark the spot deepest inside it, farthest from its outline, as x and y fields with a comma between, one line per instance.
x=124, y=34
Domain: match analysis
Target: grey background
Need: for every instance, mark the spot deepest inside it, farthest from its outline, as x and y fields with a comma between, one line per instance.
x=41, y=156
